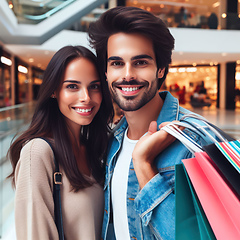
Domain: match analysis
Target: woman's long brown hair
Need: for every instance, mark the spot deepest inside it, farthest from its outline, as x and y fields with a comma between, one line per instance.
x=48, y=121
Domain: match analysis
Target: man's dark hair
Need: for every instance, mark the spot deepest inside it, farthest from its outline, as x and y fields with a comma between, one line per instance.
x=132, y=20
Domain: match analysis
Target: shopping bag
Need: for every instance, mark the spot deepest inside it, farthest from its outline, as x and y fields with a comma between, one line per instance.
x=224, y=151
x=230, y=173
x=220, y=204
x=217, y=190
x=191, y=222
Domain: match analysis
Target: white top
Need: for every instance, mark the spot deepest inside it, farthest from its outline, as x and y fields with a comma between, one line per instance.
x=82, y=211
x=119, y=189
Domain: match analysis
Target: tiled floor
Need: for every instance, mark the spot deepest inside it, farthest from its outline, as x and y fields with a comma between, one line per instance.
x=229, y=121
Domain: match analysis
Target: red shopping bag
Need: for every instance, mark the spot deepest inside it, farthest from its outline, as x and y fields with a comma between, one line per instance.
x=220, y=204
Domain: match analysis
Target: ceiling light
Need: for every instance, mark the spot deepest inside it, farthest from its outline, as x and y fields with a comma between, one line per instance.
x=31, y=60
x=173, y=70
x=22, y=69
x=224, y=15
x=191, y=69
x=216, y=4
x=181, y=70
x=237, y=76
x=6, y=61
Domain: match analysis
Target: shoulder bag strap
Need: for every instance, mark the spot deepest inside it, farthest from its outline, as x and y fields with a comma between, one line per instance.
x=57, y=181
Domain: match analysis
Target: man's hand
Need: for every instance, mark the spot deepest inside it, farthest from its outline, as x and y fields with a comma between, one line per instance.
x=146, y=150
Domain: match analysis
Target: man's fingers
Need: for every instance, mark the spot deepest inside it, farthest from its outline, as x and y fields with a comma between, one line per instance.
x=152, y=127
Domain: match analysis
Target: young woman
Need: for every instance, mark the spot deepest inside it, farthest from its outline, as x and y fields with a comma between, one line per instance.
x=72, y=113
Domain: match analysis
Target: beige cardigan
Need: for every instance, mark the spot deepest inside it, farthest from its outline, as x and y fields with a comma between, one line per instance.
x=34, y=207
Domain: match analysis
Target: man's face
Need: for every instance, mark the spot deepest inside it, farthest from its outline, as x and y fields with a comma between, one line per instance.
x=132, y=73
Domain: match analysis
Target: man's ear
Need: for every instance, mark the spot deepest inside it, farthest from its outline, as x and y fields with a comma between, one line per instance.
x=161, y=72
x=106, y=75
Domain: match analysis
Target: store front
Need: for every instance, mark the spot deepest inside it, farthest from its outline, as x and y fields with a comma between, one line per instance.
x=237, y=85
x=37, y=77
x=5, y=79
x=192, y=83
x=22, y=84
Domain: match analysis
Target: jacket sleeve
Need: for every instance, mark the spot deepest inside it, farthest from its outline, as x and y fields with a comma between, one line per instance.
x=34, y=205
x=155, y=204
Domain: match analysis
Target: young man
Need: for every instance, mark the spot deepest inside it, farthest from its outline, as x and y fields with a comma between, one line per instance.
x=135, y=48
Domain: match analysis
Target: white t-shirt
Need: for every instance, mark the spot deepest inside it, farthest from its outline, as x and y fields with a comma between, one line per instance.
x=119, y=189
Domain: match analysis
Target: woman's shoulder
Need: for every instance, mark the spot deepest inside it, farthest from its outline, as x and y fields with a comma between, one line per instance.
x=36, y=161
x=37, y=148
x=37, y=145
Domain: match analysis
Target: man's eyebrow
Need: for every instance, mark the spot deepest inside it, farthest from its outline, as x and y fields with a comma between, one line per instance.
x=114, y=58
x=141, y=57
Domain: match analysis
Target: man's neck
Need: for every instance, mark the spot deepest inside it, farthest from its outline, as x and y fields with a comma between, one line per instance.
x=138, y=121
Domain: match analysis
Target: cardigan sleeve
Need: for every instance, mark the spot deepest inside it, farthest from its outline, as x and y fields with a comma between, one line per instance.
x=34, y=205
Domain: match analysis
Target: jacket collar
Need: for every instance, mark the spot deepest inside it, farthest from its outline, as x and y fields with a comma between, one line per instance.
x=170, y=108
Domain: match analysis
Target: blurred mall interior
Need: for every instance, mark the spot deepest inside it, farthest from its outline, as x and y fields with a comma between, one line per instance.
x=204, y=74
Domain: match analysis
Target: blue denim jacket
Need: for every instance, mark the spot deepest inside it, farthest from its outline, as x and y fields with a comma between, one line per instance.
x=150, y=210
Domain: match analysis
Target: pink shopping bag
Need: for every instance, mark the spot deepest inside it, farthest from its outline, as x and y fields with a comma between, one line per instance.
x=219, y=203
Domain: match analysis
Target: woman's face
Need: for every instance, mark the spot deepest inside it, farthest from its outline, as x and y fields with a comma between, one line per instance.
x=79, y=95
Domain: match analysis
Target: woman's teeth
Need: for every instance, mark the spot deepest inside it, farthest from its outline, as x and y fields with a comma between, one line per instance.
x=83, y=110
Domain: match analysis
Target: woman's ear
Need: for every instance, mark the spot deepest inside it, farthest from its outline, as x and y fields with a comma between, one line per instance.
x=53, y=95
x=161, y=72
x=106, y=75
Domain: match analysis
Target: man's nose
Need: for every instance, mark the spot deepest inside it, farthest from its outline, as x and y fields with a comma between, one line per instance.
x=129, y=73
x=84, y=95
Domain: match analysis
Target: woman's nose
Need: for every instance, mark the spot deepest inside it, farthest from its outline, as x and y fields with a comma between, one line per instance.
x=84, y=95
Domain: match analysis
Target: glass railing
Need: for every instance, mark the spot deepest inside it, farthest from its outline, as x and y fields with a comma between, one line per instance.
x=13, y=120
x=174, y=14
x=35, y=11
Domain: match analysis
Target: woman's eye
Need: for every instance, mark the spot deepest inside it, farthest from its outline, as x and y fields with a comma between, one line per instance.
x=95, y=86
x=72, y=86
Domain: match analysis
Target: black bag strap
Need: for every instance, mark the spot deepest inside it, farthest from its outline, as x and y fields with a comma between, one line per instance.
x=57, y=181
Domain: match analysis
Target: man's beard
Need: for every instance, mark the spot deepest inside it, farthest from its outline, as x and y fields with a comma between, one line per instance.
x=132, y=103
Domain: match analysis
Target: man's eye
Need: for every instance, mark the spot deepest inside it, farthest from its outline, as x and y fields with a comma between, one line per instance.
x=116, y=64
x=140, y=62
x=72, y=86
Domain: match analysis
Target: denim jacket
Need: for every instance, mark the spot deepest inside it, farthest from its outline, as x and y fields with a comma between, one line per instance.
x=150, y=210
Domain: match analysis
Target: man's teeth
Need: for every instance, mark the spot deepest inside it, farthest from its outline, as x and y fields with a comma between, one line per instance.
x=130, y=89
x=83, y=110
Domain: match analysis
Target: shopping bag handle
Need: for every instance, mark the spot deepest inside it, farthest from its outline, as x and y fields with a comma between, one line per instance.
x=222, y=136
x=188, y=142
x=193, y=146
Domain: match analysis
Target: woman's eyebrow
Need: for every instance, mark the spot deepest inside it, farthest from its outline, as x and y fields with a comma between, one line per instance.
x=72, y=81
x=78, y=82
